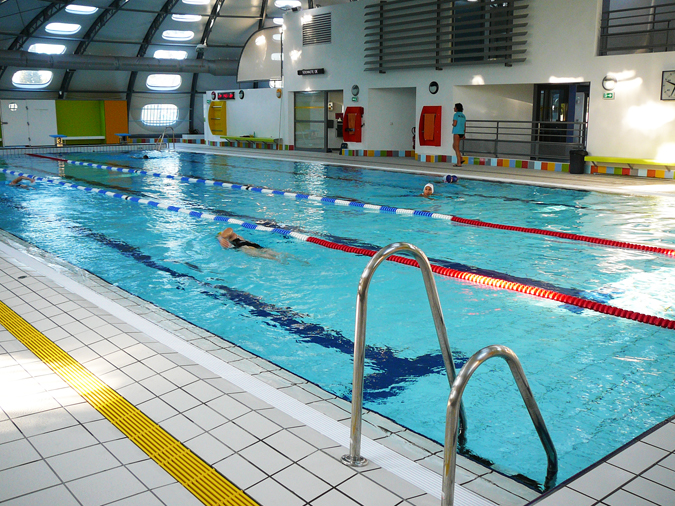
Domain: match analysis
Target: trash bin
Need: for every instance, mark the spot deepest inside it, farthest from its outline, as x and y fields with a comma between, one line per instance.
x=577, y=162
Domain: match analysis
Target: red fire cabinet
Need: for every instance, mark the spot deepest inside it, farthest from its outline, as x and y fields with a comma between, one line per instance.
x=353, y=123
x=430, y=125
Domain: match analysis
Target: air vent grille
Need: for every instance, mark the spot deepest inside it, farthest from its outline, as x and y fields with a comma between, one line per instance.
x=317, y=30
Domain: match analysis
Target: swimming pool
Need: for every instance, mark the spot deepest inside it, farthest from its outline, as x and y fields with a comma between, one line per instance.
x=599, y=380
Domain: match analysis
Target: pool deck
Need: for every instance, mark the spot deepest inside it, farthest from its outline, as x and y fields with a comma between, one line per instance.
x=273, y=435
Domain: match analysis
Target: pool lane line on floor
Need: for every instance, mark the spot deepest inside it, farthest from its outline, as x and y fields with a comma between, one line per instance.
x=382, y=209
x=188, y=469
x=478, y=279
x=423, y=478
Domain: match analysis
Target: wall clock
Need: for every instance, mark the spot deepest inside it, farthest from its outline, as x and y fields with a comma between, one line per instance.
x=668, y=85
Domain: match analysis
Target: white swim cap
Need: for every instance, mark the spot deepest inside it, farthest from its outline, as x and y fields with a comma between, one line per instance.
x=429, y=185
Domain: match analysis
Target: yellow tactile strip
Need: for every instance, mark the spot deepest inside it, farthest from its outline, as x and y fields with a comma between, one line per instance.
x=198, y=477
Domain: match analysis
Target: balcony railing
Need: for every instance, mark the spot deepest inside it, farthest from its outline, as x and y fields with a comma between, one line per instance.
x=648, y=29
x=535, y=140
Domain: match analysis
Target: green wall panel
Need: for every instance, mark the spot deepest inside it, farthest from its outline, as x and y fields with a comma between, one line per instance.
x=80, y=117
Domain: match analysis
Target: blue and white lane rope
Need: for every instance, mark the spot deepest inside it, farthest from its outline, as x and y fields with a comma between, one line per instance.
x=163, y=205
x=266, y=191
x=444, y=271
x=385, y=209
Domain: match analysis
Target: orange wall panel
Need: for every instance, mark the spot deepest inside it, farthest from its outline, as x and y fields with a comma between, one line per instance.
x=116, y=121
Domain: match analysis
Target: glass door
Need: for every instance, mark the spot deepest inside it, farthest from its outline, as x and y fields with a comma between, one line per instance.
x=310, y=121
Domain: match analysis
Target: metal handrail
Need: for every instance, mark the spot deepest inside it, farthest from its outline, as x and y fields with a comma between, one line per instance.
x=354, y=458
x=454, y=407
x=173, y=138
x=503, y=138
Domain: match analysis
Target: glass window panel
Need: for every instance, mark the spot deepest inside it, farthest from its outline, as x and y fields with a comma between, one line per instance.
x=309, y=135
x=63, y=28
x=32, y=79
x=178, y=35
x=81, y=9
x=159, y=114
x=170, y=55
x=47, y=48
x=163, y=82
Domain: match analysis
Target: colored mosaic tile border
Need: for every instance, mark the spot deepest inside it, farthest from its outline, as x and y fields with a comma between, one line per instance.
x=192, y=141
x=498, y=162
x=625, y=171
x=377, y=152
x=251, y=145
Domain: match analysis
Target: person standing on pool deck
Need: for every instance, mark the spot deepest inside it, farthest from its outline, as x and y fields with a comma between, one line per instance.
x=458, y=131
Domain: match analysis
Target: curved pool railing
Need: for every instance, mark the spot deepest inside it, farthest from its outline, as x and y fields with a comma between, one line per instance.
x=379, y=208
x=354, y=457
x=454, y=411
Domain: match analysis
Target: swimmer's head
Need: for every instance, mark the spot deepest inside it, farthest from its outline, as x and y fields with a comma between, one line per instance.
x=225, y=236
x=451, y=178
x=428, y=189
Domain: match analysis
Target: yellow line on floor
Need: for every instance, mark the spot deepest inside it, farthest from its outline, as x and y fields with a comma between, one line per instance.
x=193, y=473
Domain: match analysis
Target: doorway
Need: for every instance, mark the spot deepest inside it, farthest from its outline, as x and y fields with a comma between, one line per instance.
x=28, y=122
x=560, y=116
x=317, y=120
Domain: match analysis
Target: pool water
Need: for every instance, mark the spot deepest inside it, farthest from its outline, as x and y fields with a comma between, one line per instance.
x=599, y=380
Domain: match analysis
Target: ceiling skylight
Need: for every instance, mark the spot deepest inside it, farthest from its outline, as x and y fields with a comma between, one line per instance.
x=186, y=18
x=63, y=28
x=81, y=9
x=197, y=2
x=32, y=79
x=179, y=35
x=286, y=4
x=163, y=82
x=166, y=54
x=47, y=48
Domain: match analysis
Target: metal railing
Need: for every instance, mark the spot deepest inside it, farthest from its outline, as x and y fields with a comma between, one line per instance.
x=162, y=137
x=354, y=458
x=648, y=29
x=455, y=406
x=536, y=140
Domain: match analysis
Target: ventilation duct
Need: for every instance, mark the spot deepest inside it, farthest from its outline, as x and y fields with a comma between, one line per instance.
x=26, y=60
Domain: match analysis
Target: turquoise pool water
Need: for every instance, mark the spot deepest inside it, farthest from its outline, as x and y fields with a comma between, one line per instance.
x=599, y=380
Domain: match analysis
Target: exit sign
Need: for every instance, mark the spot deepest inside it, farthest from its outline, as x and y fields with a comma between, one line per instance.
x=608, y=95
x=355, y=99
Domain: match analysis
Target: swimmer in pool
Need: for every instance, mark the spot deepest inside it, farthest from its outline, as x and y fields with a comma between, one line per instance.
x=428, y=190
x=18, y=180
x=228, y=239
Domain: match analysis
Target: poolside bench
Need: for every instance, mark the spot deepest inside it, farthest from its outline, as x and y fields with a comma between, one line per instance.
x=264, y=140
x=629, y=162
x=60, y=140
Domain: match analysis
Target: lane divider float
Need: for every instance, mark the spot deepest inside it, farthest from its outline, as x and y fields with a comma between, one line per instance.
x=383, y=209
x=470, y=277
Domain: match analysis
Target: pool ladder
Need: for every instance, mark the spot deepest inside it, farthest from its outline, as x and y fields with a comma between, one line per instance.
x=455, y=419
x=162, y=137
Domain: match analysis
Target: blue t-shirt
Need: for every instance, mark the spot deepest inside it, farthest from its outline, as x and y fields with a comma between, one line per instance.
x=461, y=121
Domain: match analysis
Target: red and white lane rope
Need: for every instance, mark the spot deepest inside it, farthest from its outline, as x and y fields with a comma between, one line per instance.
x=383, y=209
x=443, y=271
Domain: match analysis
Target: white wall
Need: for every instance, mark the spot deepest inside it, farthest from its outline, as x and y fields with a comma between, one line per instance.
x=562, y=47
x=391, y=116
x=257, y=114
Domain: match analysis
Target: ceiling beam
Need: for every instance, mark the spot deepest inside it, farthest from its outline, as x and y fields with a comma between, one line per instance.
x=34, y=25
x=95, y=27
x=149, y=35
